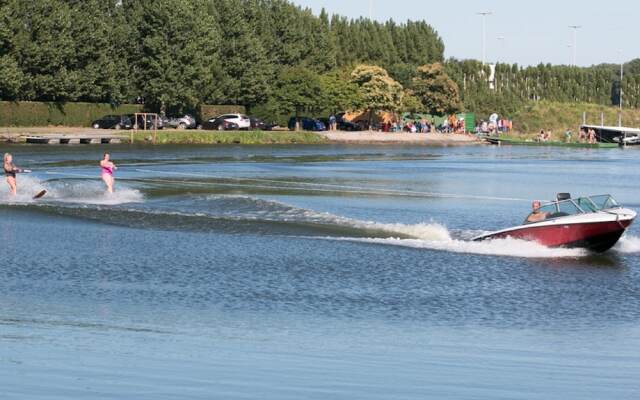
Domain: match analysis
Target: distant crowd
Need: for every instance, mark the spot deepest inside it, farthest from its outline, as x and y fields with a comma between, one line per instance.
x=495, y=125
x=584, y=136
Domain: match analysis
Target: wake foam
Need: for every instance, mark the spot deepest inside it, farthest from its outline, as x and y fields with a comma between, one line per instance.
x=426, y=235
x=84, y=192
x=628, y=244
x=499, y=247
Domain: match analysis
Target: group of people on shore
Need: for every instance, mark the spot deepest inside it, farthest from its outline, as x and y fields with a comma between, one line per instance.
x=495, y=125
x=585, y=136
x=416, y=126
x=588, y=136
x=107, y=168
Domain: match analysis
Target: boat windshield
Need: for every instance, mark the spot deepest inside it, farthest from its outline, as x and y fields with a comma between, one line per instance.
x=564, y=208
x=604, y=202
x=554, y=210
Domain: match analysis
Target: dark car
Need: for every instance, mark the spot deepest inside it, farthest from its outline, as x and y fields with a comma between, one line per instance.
x=258, y=124
x=219, y=124
x=150, y=121
x=348, y=126
x=113, y=122
x=307, y=124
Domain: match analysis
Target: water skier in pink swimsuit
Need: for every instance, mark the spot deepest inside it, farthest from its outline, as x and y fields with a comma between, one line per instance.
x=107, y=168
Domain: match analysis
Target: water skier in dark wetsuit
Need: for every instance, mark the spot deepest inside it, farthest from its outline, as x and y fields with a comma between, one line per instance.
x=10, y=171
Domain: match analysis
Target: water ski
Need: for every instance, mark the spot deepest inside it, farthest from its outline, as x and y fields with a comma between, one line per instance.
x=40, y=194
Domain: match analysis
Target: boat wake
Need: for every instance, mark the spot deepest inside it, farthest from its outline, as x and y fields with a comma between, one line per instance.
x=233, y=214
x=499, y=247
x=81, y=192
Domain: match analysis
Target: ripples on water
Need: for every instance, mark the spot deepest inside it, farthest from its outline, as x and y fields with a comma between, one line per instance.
x=311, y=272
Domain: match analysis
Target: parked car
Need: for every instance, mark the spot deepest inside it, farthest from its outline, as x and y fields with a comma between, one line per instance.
x=185, y=122
x=342, y=125
x=258, y=124
x=150, y=119
x=113, y=122
x=307, y=124
x=219, y=124
x=239, y=119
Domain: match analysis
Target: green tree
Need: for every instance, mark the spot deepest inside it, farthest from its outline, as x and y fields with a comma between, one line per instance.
x=177, y=61
x=298, y=90
x=246, y=68
x=438, y=93
x=378, y=91
x=339, y=93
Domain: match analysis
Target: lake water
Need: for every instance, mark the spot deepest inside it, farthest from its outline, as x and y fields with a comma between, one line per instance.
x=331, y=272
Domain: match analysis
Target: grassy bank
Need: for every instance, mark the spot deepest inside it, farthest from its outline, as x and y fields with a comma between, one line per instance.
x=560, y=116
x=229, y=137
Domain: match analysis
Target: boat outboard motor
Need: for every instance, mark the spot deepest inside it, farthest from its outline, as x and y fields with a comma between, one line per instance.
x=563, y=196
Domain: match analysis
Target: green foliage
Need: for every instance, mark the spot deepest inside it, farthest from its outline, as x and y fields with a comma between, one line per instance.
x=183, y=53
x=58, y=114
x=246, y=68
x=438, y=94
x=11, y=78
x=340, y=94
x=297, y=90
x=378, y=91
x=514, y=86
x=176, y=56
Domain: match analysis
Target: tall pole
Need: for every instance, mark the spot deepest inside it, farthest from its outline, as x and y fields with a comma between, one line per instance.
x=621, y=77
x=371, y=10
x=575, y=42
x=484, y=35
x=501, y=40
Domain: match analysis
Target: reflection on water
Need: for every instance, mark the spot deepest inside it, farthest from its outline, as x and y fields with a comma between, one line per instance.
x=311, y=272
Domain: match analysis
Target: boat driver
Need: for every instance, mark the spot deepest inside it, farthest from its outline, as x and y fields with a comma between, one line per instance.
x=537, y=215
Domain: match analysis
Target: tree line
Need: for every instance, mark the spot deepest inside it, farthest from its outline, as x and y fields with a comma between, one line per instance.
x=269, y=55
x=514, y=85
x=182, y=53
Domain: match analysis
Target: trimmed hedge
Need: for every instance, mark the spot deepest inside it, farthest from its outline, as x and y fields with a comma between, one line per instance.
x=27, y=113
x=210, y=111
x=33, y=113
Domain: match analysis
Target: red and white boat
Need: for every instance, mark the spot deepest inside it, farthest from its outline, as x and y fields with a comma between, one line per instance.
x=595, y=223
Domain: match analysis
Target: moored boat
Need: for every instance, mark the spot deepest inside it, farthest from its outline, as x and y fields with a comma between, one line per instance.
x=595, y=223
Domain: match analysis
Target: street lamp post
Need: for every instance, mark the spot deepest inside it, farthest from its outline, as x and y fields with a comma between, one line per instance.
x=501, y=40
x=621, y=77
x=484, y=34
x=575, y=41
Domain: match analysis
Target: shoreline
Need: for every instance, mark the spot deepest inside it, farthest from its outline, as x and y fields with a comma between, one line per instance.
x=196, y=137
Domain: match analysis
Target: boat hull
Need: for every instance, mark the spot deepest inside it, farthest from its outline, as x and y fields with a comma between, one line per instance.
x=595, y=236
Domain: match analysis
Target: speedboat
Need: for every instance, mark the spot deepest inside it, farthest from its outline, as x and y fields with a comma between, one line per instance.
x=595, y=223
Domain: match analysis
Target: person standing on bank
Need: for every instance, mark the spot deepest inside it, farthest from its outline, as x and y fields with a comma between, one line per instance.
x=107, y=168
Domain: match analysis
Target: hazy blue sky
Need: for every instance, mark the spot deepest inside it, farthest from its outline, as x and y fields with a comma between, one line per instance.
x=534, y=31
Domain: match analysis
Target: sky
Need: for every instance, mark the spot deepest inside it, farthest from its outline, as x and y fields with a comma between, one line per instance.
x=532, y=31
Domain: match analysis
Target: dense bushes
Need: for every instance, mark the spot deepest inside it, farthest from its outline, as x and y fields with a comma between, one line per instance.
x=67, y=114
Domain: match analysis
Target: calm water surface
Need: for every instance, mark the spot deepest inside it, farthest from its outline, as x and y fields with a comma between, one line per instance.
x=312, y=273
